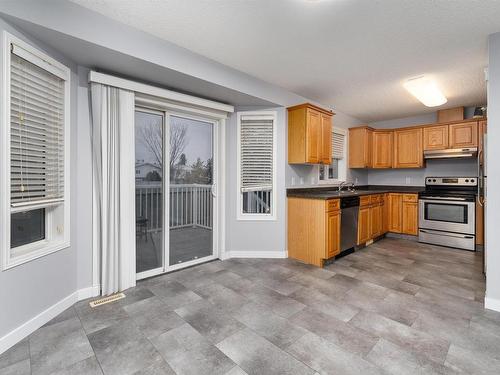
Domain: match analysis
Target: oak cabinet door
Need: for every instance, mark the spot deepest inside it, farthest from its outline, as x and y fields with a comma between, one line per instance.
x=395, y=212
x=360, y=147
x=463, y=135
x=364, y=229
x=376, y=221
x=333, y=222
x=410, y=218
x=408, y=150
x=326, y=139
x=382, y=149
x=313, y=137
x=436, y=137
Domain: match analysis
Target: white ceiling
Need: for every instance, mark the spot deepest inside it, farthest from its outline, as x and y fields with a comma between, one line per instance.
x=352, y=55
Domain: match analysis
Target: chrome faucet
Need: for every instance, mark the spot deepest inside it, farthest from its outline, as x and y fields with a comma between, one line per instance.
x=341, y=185
x=352, y=187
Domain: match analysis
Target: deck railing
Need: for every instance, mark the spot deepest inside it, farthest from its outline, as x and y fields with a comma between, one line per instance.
x=190, y=205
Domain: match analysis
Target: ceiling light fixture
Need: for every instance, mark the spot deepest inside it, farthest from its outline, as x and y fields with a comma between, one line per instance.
x=425, y=90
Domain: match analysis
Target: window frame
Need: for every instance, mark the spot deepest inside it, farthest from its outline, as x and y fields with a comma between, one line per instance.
x=54, y=240
x=342, y=163
x=240, y=215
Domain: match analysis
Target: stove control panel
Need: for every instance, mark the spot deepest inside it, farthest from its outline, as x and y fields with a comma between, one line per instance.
x=451, y=181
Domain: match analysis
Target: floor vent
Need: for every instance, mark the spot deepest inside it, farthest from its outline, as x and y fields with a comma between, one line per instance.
x=108, y=299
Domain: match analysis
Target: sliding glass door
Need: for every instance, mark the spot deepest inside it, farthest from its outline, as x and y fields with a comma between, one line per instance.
x=182, y=149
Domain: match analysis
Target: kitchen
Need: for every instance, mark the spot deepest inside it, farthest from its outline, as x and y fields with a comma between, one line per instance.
x=445, y=208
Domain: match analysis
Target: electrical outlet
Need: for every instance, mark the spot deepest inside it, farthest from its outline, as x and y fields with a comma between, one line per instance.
x=408, y=180
x=301, y=181
x=293, y=180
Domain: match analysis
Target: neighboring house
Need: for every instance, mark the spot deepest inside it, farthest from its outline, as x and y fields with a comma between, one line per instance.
x=142, y=170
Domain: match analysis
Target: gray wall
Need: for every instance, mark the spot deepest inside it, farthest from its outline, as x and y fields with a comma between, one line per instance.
x=29, y=289
x=466, y=167
x=241, y=235
x=493, y=183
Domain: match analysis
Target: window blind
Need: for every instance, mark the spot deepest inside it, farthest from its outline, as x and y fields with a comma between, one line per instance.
x=256, y=153
x=338, y=141
x=36, y=135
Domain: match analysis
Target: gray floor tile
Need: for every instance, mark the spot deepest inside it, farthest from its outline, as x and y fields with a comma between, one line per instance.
x=153, y=317
x=174, y=294
x=221, y=296
x=88, y=366
x=236, y=370
x=280, y=331
x=256, y=355
x=188, y=352
x=397, y=360
x=18, y=368
x=336, y=331
x=366, y=295
x=58, y=346
x=328, y=358
x=420, y=342
x=470, y=362
x=212, y=322
x=161, y=368
x=326, y=304
x=17, y=353
x=122, y=349
x=96, y=318
x=65, y=315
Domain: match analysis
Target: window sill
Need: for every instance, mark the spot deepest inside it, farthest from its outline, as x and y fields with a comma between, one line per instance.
x=43, y=248
x=256, y=217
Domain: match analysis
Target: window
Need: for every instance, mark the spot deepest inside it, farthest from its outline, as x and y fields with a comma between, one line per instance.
x=336, y=171
x=35, y=209
x=256, y=165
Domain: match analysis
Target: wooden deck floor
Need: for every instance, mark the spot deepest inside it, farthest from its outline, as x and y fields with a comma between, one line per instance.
x=185, y=244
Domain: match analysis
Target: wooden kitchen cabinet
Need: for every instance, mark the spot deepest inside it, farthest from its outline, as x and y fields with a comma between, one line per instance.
x=385, y=214
x=463, y=135
x=410, y=215
x=376, y=220
x=382, y=149
x=313, y=229
x=395, y=208
x=436, y=137
x=309, y=134
x=364, y=227
x=408, y=150
x=360, y=147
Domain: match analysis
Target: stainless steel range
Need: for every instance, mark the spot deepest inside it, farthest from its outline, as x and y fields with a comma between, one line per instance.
x=447, y=212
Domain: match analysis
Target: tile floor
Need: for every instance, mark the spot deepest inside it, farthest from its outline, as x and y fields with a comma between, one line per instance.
x=396, y=307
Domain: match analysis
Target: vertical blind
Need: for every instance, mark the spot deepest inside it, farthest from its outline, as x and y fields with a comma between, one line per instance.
x=36, y=134
x=338, y=142
x=256, y=153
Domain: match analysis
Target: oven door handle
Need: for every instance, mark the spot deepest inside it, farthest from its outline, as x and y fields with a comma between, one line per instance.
x=444, y=199
x=455, y=235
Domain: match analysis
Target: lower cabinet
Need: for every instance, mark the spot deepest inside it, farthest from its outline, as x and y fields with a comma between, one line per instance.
x=391, y=212
x=313, y=229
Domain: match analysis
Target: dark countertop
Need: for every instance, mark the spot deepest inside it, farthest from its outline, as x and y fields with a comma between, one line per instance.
x=331, y=192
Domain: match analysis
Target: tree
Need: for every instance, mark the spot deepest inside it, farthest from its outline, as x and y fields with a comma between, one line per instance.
x=151, y=135
x=153, y=176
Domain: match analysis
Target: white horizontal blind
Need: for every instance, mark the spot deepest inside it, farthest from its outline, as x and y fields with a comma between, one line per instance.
x=338, y=142
x=256, y=153
x=36, y=135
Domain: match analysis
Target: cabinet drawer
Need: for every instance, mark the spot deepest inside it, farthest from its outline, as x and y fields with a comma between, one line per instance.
x=332, y=204
x=364, y=200
x=410, y=198
x=376, y=198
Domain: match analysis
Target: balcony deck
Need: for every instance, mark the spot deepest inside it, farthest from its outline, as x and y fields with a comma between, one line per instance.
x=186, y=244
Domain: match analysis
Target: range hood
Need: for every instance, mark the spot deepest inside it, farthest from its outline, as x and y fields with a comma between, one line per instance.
x=470, y=152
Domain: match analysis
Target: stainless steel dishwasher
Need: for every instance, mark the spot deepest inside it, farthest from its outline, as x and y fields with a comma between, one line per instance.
x=349, y=222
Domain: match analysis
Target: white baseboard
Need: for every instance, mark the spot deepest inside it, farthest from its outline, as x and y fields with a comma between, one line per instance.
x=92, y=291
x=26, y=329
x=492, y=304
x=255, y=254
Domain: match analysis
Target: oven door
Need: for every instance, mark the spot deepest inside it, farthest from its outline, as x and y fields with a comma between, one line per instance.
x=447, y=214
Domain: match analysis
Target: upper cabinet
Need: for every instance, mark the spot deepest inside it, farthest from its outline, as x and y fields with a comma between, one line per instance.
x=436, y=137
x=360, y=147
x=463, y=134
x=309, y=135
x=408, y=151
x=382, y=149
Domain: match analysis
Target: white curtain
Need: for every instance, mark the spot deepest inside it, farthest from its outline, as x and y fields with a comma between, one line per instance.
x=114, y=184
